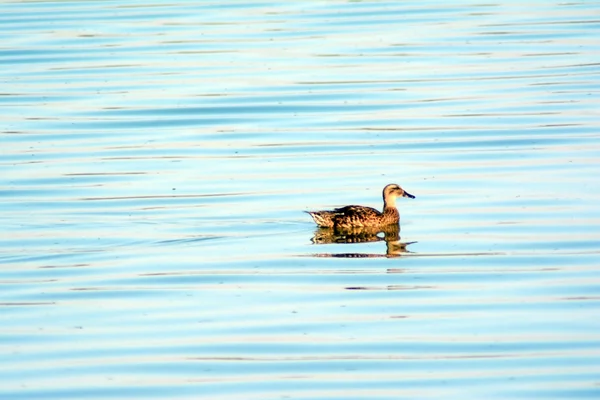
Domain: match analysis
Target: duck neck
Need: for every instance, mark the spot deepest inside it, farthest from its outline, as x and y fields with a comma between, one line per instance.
x=390, y=212
x=389, y=202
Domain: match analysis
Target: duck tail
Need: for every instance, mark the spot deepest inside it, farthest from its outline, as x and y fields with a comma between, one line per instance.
x=322, y=218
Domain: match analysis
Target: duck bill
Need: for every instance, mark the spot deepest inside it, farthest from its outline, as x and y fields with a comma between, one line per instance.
x=410, y=196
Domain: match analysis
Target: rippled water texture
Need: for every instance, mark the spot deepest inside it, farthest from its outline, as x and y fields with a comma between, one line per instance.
x=157, y=158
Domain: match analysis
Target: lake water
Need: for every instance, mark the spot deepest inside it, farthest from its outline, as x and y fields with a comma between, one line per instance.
x=157, y=158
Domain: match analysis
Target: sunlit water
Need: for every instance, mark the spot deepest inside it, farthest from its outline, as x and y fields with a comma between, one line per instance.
x=157, y=159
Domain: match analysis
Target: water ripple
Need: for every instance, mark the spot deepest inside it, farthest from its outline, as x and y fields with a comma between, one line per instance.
x=158, y=157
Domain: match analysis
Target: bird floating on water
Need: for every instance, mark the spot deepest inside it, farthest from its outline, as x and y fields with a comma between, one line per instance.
x=363, y=217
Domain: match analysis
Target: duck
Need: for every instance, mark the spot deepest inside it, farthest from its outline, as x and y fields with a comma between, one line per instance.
x=351, y=217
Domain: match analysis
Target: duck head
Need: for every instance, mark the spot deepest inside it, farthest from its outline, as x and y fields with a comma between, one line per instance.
x=393, y=191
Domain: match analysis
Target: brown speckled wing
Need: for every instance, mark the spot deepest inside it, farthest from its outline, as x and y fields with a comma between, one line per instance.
x=356, y=216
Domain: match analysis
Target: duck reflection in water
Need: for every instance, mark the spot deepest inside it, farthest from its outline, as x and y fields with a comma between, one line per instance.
x=390, y=234
x=360, y=224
